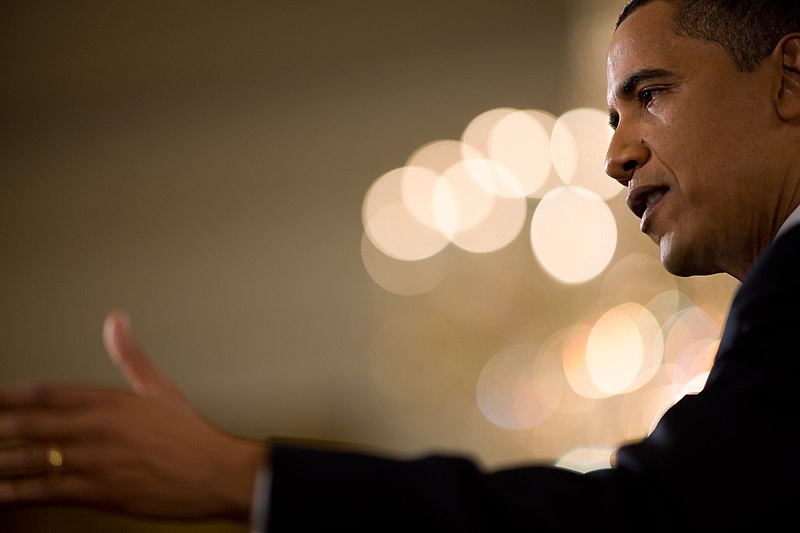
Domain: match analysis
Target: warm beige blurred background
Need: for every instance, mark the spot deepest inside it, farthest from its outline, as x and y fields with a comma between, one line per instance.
x=203, y=165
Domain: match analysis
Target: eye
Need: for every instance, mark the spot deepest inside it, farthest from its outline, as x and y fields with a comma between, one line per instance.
x=613, y=120
x=646, y=96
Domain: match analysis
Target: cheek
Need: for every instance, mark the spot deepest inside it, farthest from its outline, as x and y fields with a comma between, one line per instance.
x=695, y=155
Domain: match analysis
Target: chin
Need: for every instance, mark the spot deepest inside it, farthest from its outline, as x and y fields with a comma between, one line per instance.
x=685, y=262
x=676, y=261
x=679, y=270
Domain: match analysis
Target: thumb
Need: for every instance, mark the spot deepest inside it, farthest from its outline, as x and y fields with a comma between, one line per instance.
x=133, y=362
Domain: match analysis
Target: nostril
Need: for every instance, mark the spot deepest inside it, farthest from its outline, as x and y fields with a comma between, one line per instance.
x=629, y=165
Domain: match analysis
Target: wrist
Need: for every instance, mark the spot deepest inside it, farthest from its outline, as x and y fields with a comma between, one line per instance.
x=243, y=466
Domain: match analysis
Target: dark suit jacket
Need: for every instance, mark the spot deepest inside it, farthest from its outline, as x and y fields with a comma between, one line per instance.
x=725, y=459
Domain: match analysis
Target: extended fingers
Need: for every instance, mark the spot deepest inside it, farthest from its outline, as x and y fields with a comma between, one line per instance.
x=19, y=460
x=66, y=488
x=52, y=396
x=38, y=414
x=39, y=425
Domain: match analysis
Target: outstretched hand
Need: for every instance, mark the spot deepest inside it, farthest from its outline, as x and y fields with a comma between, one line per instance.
x=143, y=453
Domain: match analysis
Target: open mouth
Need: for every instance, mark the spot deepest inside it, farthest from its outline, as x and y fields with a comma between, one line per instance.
x=640, y=198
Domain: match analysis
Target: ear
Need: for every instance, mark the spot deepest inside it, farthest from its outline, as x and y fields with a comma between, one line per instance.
x=788, y=96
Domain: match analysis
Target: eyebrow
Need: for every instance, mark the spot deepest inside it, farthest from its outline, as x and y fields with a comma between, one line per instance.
x=629, y=84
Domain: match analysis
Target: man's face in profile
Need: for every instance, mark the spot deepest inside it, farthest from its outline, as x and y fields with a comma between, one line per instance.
x=687, y=142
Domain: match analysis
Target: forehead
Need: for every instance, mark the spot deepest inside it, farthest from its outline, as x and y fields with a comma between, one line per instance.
x=645, y=35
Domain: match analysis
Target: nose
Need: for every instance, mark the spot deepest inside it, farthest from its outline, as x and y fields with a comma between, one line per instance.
x=625, y=157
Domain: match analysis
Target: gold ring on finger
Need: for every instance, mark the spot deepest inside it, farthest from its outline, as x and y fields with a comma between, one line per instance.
x=55, y=460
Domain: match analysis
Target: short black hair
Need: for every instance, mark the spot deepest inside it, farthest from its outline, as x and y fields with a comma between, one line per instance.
x=748, y=30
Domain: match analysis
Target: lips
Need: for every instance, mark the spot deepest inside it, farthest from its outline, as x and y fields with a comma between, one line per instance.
x=642, y=197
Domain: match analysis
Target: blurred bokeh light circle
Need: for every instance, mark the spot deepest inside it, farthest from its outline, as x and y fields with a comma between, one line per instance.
x=392, y=227
x=402, y=277
x=460, y=201
x=498, y=229
x=440, y=155
x=478, y=133
x=579, y=143
x=585, y=458
x=573, y=234
x=521, y=142
x=417, y=185
x=624, y=349
x=514, y=390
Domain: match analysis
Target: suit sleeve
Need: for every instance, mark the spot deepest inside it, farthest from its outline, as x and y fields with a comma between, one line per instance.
x=318, y=489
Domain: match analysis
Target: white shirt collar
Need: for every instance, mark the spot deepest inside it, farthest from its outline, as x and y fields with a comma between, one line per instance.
x=792, y=220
